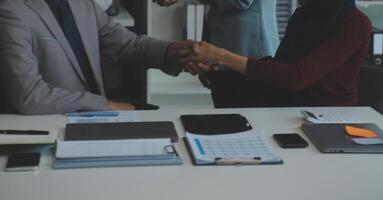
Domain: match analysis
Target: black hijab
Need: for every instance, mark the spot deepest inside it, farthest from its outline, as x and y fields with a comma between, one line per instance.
x=311, y=24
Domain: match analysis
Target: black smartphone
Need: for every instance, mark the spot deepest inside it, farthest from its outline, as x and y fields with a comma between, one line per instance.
x=23, y=162
x=290, y=140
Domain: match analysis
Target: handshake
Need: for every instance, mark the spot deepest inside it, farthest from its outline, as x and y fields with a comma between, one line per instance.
x=194, y=57
x=191, y=56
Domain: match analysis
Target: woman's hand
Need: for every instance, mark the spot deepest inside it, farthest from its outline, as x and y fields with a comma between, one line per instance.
x=207, y=57
x=207, y=53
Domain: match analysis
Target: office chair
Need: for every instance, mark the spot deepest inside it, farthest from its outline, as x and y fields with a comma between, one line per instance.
x=2, y=102
x=126, y=84
x=5, y=105
x=370, y=87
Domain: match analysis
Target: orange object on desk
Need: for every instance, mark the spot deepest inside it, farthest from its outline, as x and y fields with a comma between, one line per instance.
x=360, y=132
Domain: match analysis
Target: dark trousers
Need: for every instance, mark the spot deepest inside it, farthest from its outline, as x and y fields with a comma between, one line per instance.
x=233, y=90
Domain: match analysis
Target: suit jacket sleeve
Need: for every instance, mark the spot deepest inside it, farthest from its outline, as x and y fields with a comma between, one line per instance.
x=124, y=46
x=232, y=5
x=24, y=86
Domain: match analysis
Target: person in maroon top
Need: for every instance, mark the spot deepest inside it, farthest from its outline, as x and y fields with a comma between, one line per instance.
x=317, y=62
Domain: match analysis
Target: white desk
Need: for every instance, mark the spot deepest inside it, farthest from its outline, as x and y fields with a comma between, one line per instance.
x=306, y=174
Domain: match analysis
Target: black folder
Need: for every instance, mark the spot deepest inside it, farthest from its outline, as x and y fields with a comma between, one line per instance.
x=215, y=124
x=119, y=131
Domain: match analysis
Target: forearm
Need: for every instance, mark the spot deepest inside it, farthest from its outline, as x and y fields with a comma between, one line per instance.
x=43, y=98
x=30, y=94
x=129, y=49
x=233, y=61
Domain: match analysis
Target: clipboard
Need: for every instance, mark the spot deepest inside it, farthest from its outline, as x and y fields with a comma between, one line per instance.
x=84, y=154
x=220, y=161
x=225, y=161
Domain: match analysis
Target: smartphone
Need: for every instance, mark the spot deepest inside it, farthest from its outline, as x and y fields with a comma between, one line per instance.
x=290, y=140
x=23, y=162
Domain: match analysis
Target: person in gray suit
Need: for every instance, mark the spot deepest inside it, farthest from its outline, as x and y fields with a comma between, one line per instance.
x=50, y=55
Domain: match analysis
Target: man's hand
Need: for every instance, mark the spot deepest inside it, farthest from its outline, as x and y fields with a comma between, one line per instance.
x=120, y=106
x=180, y=53
x=207, y=54
x=166, y=3
x=206, y=58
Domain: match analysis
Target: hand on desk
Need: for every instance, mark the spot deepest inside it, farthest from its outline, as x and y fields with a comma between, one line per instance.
x=113, y=105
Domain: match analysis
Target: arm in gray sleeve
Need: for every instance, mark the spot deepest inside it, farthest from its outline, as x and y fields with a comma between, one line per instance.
x=124, y=46
x=24, y=86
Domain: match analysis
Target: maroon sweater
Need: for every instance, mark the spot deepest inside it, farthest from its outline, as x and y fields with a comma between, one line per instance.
x=328, y=74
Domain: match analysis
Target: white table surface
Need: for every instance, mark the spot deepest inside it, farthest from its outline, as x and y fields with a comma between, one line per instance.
x=306, y=174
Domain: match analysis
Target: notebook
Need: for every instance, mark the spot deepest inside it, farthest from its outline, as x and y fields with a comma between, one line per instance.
x=102, y=153
x=332, y=138
x=118, y=131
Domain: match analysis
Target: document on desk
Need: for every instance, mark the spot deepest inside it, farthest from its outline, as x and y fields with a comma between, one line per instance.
x=115, y=148
x=248, y=147
x=103, y=117
x=330, y=117
x=102, y=153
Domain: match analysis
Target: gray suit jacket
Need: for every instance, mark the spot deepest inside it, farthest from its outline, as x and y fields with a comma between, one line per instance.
x=38, y=69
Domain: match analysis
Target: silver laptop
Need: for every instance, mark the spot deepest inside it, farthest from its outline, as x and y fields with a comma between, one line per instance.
x=332, y=138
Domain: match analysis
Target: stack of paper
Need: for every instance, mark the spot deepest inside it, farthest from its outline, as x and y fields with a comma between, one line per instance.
x=78, y=154
x=194, y=17
x=327, y=118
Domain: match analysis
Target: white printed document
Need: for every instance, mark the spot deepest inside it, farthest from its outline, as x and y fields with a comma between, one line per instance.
x=248, y=147
x=113, y=148
x=113, y=153
x=326, y=118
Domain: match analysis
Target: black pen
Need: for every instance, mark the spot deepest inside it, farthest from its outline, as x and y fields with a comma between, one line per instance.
x=23, y=132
